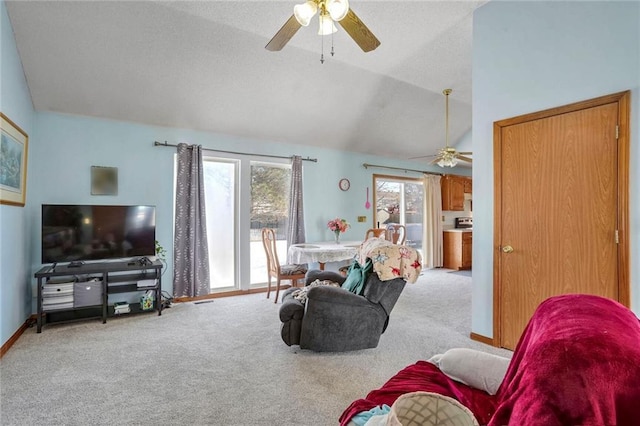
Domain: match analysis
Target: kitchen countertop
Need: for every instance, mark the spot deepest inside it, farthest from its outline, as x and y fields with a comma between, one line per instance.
x=458, y=230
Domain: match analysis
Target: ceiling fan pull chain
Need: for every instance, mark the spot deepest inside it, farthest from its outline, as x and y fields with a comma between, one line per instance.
x=321, y=43
x=331, y=44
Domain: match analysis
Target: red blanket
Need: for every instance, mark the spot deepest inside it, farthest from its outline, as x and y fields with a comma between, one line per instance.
x=424, y=376
x=577, y=363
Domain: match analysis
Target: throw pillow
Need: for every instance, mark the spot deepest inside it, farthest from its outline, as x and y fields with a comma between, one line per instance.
x=473, y=368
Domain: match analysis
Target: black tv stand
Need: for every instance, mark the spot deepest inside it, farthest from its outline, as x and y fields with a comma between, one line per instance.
x=111, y=277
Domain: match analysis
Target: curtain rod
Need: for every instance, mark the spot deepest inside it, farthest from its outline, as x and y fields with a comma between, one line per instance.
x=367, y=165
x=156, y=143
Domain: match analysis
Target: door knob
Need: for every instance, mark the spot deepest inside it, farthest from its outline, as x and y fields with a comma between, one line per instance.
x=507, y=249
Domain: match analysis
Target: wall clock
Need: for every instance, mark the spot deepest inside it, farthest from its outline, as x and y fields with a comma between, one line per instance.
x=344, y=184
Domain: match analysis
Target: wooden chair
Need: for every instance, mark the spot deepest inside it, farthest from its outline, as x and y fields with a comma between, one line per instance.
x=274, y=268
x=396, y=233
x=375, y=233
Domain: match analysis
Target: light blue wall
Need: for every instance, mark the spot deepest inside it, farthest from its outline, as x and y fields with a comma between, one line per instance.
x=530, y=56
x=15, y=103
x=70, y=145
x=62, y=149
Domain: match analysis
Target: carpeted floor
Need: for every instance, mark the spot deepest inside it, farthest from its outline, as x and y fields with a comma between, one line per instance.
x=220, y=363
x=464, y=273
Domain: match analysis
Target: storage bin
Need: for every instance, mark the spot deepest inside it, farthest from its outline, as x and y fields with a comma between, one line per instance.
x=57, y=294
x=57, y=302
x=88, y=293
x=57, y=289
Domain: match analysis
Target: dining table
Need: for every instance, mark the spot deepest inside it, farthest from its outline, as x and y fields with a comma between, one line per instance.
x=322, y=252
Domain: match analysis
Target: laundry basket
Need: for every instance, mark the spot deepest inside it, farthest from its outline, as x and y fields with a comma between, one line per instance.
x=429, y=409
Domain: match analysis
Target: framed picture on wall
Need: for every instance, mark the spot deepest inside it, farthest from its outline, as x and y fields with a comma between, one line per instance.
x=104, y=180
x=14, y=144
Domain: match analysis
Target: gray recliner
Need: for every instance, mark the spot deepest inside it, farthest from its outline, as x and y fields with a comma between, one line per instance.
x=336, y=320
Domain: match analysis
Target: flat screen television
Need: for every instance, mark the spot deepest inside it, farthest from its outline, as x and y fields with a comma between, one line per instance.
x=72, y=232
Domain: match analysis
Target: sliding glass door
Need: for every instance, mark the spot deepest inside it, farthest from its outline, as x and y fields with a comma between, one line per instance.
x=399, y=200
x=235, y=218
x=220, y=181
x=270, y=187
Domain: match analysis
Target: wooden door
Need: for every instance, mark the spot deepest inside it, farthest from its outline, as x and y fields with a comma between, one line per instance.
x=561, y=209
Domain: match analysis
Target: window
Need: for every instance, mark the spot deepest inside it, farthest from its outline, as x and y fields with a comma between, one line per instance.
x=401, y=201
x=235, y=218
x=220, y=180
x=270, y=187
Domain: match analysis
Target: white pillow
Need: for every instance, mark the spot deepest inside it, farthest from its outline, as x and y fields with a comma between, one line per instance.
x=477, y=369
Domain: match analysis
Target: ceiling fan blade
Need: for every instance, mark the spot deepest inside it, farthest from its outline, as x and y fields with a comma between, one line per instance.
x=465, y=153
x=421, y=156
x=359, y=32
x=283, y=35
x=463, y=158
x=435, y=160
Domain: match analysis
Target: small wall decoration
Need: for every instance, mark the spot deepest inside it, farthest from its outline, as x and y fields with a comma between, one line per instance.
x=14, y=144
x=104, y=180
x=344, y=184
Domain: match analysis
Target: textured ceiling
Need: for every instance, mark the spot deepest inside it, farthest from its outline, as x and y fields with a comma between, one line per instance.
x=203, y=65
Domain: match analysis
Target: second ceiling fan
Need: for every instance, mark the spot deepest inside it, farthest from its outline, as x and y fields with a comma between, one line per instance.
x=330, y=11
x=447, y=156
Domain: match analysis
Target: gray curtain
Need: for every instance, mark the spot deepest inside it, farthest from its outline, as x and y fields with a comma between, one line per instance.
x=190, y=252
x=432, y=237
x=295, y=228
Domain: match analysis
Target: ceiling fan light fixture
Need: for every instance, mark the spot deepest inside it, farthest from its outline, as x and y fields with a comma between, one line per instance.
x=304, y=12
x=326, y=25
x=448, y=160
x=338, y=9
x=334, y=11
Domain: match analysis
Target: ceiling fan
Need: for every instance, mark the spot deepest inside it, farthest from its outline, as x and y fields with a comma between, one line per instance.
x=447, y=156
x=330, y=11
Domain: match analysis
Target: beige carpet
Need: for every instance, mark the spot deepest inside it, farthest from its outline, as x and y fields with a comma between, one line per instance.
x=219, y=363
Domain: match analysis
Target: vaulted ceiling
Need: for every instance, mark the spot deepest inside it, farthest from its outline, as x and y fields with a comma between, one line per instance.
x=202, y=65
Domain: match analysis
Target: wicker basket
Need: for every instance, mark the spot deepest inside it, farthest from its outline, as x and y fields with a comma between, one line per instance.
x=429, y=409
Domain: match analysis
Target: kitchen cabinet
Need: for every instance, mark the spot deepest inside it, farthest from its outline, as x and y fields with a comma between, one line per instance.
x=453, y=189
x=468, y=185
x=457, y=246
